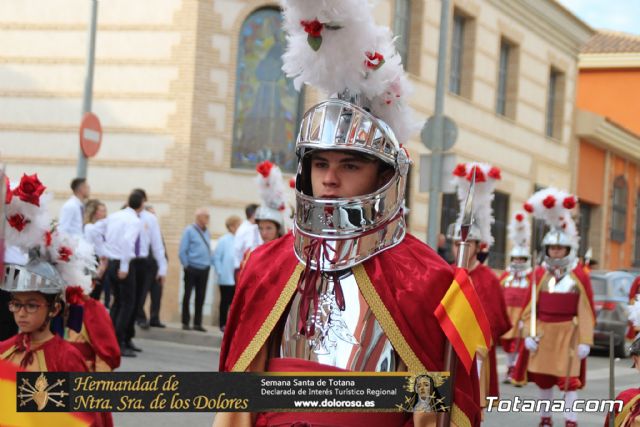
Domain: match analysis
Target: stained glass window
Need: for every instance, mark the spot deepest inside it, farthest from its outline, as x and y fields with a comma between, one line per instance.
x=267, y=107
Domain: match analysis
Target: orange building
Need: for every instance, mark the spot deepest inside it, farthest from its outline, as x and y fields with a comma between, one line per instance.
x=608, y=130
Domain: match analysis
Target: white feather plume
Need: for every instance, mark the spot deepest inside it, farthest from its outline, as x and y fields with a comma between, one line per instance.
x=554, y=207
x=519, y=229
x=271, y=189
x=350, y=47
x=74, y=258
x=37, y=221
x=485, y=186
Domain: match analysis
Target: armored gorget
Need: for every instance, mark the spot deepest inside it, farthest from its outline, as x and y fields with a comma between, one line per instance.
x=350, y=339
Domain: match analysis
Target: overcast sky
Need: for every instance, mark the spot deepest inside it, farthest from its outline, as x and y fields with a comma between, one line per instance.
x=618, y=15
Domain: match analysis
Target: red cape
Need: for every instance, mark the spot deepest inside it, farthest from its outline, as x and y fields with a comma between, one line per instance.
x=489, y=291
x=99, y=327
x=635, y=288
x=59, y=355
x=627, y=396
x=410, y=280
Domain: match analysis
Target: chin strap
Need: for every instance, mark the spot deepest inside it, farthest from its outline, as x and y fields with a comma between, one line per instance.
x=315, y=252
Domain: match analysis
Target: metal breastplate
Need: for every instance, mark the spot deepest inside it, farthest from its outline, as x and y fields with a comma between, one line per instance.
x=565, y=284
x=351, y=339
x=518, y=280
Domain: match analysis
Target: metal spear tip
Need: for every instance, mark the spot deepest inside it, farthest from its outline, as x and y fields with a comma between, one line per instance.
x=467, y=217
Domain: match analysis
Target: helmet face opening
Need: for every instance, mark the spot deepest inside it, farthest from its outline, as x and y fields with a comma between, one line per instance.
x=304, y=182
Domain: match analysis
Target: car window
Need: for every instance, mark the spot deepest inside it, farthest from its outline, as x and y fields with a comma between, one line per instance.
x=620, y=288
x=599, y=286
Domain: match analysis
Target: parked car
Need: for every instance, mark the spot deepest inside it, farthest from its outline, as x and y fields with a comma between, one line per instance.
x=611, y=298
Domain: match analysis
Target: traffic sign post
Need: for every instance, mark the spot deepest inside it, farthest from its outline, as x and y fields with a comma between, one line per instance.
x=90, y=134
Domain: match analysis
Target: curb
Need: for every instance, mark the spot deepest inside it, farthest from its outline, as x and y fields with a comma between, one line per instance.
x=174, y=333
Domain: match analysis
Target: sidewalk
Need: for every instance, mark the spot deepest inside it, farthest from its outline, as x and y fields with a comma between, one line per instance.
x=174, y=333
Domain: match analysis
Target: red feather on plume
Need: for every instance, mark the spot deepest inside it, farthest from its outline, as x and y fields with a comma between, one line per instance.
x=74, y=295
x=264, y=168
x=8, y=195
x=527, y=207
x=494, y=173
x=478, y=173
x=519, y=217
x=292, y=183
x=549, y=202
x=460, y=170
x=569, y=202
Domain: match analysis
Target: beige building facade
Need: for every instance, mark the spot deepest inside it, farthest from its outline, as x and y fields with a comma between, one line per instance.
x=166, y=88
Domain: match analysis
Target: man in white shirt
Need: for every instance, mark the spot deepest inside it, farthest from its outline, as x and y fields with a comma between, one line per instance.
x=247, y=237
x=150, y=242
x=122, y=245
x=71, y=218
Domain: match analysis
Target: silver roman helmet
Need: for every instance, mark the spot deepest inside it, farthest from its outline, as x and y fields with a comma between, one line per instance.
x=336, y=47
x=356, y=228
x=554, y=207
x=36, y=275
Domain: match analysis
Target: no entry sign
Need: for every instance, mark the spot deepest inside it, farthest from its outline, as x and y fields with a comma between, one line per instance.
x=90, y=134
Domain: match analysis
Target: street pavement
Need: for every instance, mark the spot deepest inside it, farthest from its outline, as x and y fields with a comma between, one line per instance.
x=168, y=356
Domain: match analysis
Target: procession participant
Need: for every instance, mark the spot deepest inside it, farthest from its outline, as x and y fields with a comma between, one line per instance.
x=563, y=335
x=485, y=281
x=312, y=300
x=270, y=214
x=37, y=287
x=628, y=416
x=515, y=283
x=632, y=331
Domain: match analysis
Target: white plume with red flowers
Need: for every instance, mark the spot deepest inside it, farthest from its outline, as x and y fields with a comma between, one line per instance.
x=554, y=207
x=271, y=185
x=26, y=212
x=335, y=45
x=486, y=179
x=28, y=231
x=519, y=229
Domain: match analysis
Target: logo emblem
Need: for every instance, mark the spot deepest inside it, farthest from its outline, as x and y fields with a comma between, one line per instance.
x=42, y=393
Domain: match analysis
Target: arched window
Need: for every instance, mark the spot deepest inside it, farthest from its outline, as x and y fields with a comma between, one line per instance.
x=267, y=107
x=619, y=210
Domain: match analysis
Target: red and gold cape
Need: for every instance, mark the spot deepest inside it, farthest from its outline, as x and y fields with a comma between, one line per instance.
x=402, y=285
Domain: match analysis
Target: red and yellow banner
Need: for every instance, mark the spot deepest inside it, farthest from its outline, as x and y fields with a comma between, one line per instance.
x=463, y=319
x=9, y=417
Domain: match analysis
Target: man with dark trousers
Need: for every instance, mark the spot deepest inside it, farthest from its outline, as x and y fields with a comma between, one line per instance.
x=152, y=271
x=195, y=257
x=122, y=247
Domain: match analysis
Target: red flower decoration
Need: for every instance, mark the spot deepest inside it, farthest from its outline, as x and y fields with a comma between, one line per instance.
x=64, y=253
x=569, y=202
x=18, y=221
x=8, y=195
x=494, y=173
x=527, y=207
x=30, y=189
x=292, y=183
x=549, y=202
x=460, y=170
x=74, y=295
x=483, y=245
x=313, y=28
x=264, y=168
x=47, y=238
x=478, y=173
x=519, y=217
x=374, y=60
